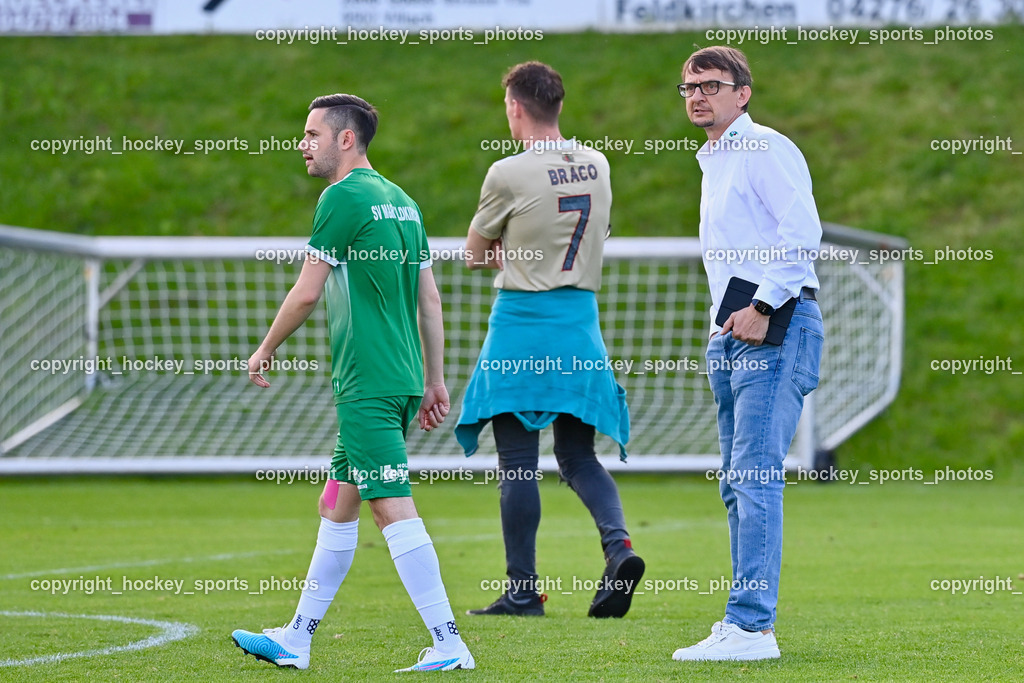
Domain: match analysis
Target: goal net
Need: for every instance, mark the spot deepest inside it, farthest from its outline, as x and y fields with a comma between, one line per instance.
x=126, y=354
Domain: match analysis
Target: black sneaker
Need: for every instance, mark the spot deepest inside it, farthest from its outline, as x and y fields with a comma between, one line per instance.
x=505, y=605
x=620, y=579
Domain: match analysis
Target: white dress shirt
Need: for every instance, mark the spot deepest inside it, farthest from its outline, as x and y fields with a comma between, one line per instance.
x=758, y=220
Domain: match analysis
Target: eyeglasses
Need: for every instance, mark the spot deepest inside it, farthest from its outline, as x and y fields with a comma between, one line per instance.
x=709, y=88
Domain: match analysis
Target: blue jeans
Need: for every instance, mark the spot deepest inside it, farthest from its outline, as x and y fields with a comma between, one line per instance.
x=759, y=391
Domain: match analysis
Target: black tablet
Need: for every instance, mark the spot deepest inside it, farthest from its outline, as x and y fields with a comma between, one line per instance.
x=738, y=296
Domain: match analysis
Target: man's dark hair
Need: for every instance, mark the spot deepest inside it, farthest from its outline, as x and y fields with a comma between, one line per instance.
x=349, y=112
x=538, y=88
x=727, y=59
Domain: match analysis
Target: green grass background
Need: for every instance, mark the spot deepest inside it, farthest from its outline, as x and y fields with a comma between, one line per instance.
x=856, y=597
x=856, y=601
x=864, y=117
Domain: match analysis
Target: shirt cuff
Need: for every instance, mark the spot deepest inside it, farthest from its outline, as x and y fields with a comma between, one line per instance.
x=482, y=231
x=772, y=295
x=322, y=255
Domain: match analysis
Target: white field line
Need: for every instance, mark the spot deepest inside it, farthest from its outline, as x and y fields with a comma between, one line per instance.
x=170, y=631
x=141, y=563
x=671, y=525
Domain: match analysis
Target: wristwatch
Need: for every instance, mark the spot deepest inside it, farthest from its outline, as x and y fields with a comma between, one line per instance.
x=762, y=307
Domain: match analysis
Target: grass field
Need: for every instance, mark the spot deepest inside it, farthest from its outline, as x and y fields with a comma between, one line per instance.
x=856, y=599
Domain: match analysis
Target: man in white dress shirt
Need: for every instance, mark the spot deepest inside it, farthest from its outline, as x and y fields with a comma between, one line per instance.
x=758, y=222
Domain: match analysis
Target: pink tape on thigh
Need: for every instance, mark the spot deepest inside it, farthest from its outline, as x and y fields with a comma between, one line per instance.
x=330, y=494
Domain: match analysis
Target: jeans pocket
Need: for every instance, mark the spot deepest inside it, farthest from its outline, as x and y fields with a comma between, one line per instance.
x=808, y=360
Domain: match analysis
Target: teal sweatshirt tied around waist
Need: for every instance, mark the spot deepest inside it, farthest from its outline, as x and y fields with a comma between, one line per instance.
x=544, y=355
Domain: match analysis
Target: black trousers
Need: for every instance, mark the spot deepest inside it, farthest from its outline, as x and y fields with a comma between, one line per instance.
x=518, y=455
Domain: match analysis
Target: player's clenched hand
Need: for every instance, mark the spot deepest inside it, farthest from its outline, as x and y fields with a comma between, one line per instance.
x=434, y=406
x=747, y=325
x=259, y=362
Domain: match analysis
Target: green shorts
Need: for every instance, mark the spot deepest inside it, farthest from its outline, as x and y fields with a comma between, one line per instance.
x=371, y=445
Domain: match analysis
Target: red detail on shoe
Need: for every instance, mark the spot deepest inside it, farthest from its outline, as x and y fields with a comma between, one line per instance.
x=543, y=598
x=628, y=543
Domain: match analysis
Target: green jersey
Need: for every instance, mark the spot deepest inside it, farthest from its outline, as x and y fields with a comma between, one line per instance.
x=372, y=233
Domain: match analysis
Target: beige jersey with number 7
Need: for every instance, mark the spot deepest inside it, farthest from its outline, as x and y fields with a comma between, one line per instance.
x=550, y=206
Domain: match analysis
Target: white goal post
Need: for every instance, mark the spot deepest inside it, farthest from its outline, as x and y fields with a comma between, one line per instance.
x=125, y=354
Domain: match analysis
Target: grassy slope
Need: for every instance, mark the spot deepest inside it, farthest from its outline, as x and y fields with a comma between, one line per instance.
x=863, y=115
x=856, y=599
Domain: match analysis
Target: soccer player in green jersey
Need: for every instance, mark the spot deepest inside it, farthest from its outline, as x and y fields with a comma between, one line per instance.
x=369, y=252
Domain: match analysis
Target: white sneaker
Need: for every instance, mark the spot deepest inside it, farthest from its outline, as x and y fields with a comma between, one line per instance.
x=433, y=660
x=728, y=642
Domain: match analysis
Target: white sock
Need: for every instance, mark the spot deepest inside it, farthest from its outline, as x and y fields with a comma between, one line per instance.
x=335, y=547
x=416, y=562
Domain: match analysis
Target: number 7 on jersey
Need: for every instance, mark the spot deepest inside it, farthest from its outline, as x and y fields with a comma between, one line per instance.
x=581, y=203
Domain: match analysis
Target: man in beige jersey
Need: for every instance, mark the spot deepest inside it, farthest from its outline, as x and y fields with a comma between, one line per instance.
x=541, y=222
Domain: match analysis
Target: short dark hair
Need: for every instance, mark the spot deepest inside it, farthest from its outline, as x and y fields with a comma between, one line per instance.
x=723, y=58
x=538, y=88
x=348, y=112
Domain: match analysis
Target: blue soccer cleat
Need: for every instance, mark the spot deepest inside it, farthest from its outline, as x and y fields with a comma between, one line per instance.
x=265, y=646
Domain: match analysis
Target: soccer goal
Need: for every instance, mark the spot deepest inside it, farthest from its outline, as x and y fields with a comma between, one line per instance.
x=127, y=354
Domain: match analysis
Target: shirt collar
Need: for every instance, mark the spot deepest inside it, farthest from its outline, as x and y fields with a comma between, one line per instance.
x=553, y=145
x=734, y=132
